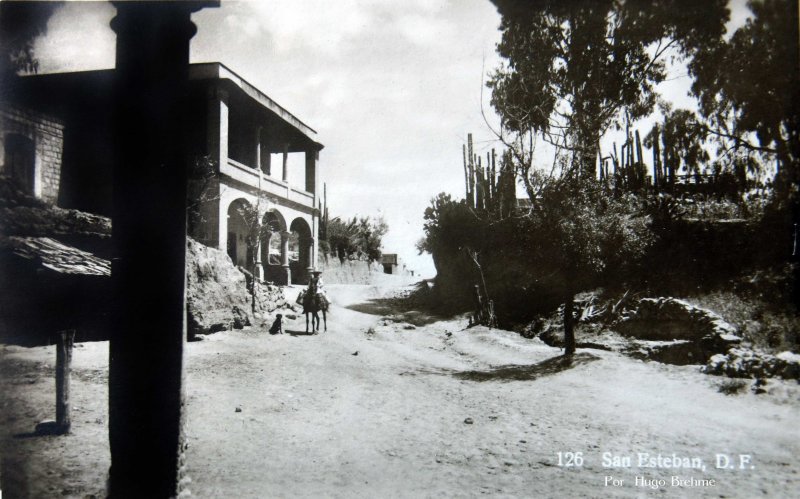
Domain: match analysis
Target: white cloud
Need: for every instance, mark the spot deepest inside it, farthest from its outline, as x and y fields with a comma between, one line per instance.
x=425, y=30
x=392, y=88
x=78, y=38
x=316, y=24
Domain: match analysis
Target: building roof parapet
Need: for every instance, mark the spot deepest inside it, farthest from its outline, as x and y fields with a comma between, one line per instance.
x=217, y=70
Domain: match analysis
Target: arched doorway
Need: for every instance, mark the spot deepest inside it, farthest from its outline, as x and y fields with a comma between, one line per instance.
x=271, y=248
x=300, y=250
x=239, y=250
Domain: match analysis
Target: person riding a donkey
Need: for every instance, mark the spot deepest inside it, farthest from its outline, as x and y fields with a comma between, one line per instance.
x=315, y=300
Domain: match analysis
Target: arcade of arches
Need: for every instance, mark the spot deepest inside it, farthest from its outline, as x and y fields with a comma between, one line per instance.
x=268, y=247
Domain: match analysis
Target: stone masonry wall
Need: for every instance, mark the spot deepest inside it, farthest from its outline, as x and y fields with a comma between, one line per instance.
x=335, y=271
x=47, y=134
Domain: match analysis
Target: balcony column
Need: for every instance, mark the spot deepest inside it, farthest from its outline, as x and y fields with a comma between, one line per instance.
x=259, y=270
x=285, y=256
x=217, y=150
x=312, y=175
x=257, y=151
x=266, y=160
x=223, y=203
x=285, y=162
x=312, y=261
x=264, y=255
x=217, y=126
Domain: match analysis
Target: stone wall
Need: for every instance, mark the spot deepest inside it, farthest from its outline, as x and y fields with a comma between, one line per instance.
x=746, y=363
x=47, y=134
x=216, y=292
x=334, y=271
x=217, y=296
x=668, y=319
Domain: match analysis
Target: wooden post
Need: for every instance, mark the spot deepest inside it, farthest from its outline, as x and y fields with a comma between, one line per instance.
x=64, y=343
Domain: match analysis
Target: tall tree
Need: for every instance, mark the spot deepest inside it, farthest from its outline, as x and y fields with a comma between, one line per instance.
x=747, y=86
x=749, y=83
x=572, y=70
x=573, y=66
x=359, y=237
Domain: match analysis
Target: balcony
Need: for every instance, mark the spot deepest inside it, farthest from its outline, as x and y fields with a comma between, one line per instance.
x=257, y=179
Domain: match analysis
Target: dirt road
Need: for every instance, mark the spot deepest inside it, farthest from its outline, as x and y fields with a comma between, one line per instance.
x=381, y=408
x=414, y=414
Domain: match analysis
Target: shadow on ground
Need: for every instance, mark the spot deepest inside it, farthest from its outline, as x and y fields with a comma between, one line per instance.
x=530, y=372
x=547, y=367
x=292, y=332
x=389, y=307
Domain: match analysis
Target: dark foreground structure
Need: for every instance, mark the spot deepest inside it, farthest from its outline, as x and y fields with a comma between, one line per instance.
x=149, y=234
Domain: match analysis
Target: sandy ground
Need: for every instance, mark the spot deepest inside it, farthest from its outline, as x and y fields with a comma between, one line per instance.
x=378, y=408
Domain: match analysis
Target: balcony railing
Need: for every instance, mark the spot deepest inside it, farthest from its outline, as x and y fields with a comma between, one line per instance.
x=256, y=178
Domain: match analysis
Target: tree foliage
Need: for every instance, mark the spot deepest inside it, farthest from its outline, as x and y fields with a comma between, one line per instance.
x=252, y=215
x=360, y=237
x=20, y=24
x=572, y=67
x=572, y=70
x=747, y=86
x=574, y=238
x=449, y=226
x=681, y=140
x=579, y=238
x=749, y=83
x=203, y=188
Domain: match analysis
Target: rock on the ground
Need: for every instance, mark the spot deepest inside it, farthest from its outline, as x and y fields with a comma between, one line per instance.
x=269, y=298
x=673, y=319
x=674, y=331
x=667, y=330
x=216, y=291
x=746, y=363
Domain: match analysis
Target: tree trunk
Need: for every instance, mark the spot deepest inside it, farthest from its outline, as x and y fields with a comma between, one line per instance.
x=569, y=324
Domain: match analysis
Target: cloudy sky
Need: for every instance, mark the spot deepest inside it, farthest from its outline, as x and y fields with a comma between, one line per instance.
x=392, y=88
